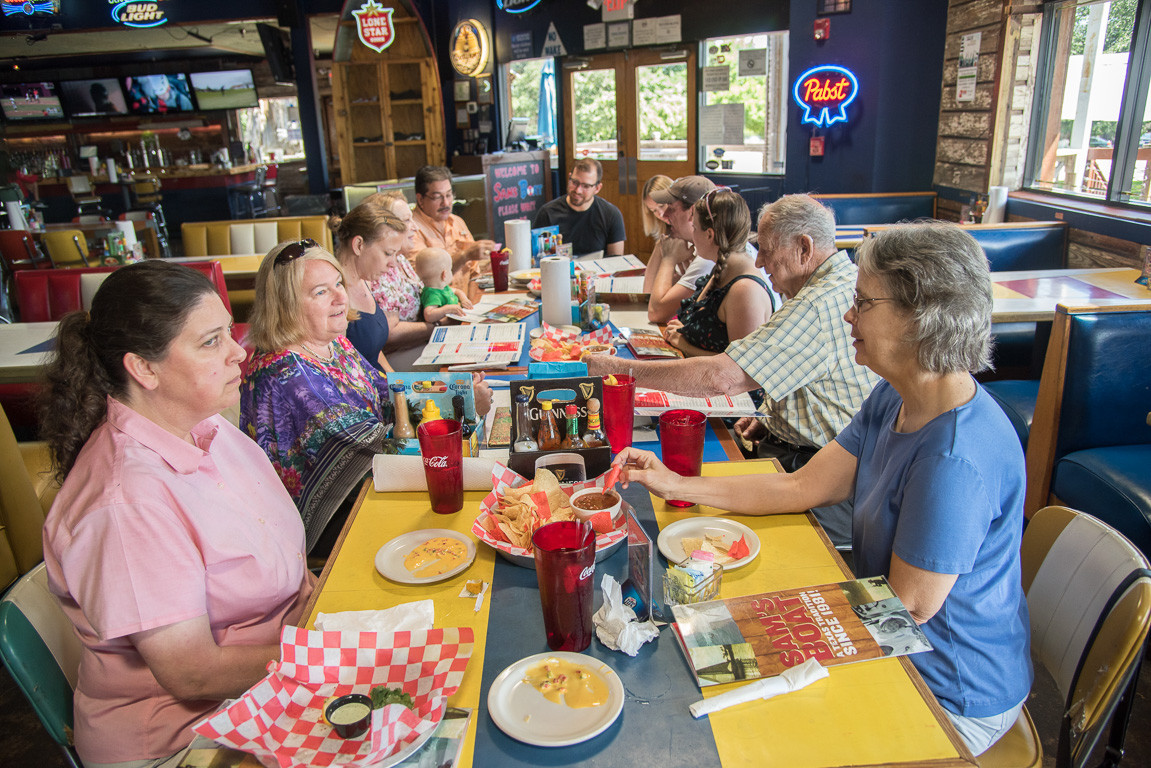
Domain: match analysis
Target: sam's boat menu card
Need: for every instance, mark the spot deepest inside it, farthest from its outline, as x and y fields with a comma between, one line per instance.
x=492, y=343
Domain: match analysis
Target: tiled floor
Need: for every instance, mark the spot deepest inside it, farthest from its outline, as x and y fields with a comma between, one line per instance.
x=23, y=742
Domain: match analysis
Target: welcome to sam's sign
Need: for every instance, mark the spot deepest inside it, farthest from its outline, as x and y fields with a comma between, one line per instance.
x=138, y=14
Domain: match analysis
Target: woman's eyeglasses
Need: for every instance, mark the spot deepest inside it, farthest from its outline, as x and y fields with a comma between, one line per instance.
x=859, y=302
x=293, y=251
x=707, y=200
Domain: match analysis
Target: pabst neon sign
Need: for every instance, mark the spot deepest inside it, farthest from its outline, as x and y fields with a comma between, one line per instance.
x=140, y=15
x=374, y=25
x=31, y=7
x=824, y=93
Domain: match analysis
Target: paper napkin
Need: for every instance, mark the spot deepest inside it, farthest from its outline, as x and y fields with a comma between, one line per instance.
x=786, y=682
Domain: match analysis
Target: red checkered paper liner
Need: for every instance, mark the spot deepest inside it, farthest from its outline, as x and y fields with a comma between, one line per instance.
x=280, y=719
x=503, y=478
x=552, y=333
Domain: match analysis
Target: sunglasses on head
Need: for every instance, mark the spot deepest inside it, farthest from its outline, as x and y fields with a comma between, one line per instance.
x=293, y=251
x=707, y=200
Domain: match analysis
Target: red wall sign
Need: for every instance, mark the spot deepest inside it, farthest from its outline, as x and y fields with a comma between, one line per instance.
x=374, y=25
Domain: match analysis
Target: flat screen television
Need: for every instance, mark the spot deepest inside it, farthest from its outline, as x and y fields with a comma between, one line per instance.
x=30, y=101
x=158, y=94
x=87, y=98
x=231, y=89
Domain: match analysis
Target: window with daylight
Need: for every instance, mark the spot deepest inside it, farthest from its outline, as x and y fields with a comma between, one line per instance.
x=1091, y=125
x=743, y=127
x=530, y=92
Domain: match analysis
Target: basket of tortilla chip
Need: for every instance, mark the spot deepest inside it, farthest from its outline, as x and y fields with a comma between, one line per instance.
x=281, y=719
x=555, y=345
x=515, y=509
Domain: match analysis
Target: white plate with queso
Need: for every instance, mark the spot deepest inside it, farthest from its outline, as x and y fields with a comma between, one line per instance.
x=425, y=556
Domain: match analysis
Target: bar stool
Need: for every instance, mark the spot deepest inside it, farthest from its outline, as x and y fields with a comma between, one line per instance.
x=271, y=178
x=18, y=251
x=246, y=201
x=146, y=191
x=85, y=197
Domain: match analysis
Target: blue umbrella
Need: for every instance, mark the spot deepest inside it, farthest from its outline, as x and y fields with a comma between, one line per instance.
x=547, y=103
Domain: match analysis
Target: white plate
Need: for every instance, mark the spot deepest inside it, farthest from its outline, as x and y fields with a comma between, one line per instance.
x=524, y=275
x=730, y=530
x=522, y=712
x=390, y=558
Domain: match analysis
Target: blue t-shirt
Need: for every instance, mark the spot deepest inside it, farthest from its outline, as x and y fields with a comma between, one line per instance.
x=948, y=498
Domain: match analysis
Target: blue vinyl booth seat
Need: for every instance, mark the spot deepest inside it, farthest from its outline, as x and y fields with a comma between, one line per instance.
x=1090, y=443
x=1017, y=399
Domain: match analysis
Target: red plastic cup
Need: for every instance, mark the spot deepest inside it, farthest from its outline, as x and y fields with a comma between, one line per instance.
x=619, y=411
x=499, y=270
x=442, y=446
x=565, y=570
x=681, y=442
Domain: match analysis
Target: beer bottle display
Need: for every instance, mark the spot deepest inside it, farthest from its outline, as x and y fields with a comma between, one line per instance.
x=572, y=440
x=525, y=441
x=403, y=426
x=548, y=436
x=594, y=437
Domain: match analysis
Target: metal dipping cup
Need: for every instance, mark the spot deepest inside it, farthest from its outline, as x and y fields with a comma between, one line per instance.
x=442, y=448
x=565, y=570
x=681, y=442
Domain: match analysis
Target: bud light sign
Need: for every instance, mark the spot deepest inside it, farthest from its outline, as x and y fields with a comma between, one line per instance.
x=824, y=93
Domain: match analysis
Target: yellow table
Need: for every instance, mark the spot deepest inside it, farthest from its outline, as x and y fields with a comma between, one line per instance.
x=873, y=713
x=1032, y=295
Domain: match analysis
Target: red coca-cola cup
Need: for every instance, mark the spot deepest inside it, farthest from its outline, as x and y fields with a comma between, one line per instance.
x=442, y=448
x=500, y=270
x=681, y=443
x=619, y=410
x=565, y=570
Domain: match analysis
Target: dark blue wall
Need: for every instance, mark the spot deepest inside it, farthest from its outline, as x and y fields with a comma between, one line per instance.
x=895, y=47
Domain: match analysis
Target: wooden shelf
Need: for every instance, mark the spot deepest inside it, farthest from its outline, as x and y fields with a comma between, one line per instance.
x=369, y=144
x=410, y=102
x=375, y=104
x=411, y=143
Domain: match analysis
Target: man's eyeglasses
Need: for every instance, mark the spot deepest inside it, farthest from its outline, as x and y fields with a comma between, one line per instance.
x=860, y=302
x=707, y=201
x=580, y=185
x=293, y=251
x=440, y=197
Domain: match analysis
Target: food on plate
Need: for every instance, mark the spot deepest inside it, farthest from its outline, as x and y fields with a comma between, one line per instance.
x=712, y=543
x=565, y=682
x=435, y=556
x=519, y=512
x=554, y=350
x=382, y=696
x=595, y=501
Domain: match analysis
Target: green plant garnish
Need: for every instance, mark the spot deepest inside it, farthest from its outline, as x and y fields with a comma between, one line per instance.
x=383, y=696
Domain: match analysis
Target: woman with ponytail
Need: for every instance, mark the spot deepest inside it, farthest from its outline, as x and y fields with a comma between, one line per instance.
x=735, y=300
x=172, y=545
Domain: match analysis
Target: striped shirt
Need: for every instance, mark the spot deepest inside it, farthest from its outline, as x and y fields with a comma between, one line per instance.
x=803, y=358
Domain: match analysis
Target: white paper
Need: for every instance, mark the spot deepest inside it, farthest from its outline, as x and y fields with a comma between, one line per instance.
x=129, y=230
x=653, y=402
x=732, y=123
x=752, y=62
x=711, y=124
x=996, y=205
x=615, y=623
x=609, y=266
x=518, y=238
x=667, y=29
x=15, y=215
x=786, y=682
x=620, y=285
x=392, y=473
x=556, y=290
x=717, y=78
x=643, y=32
x=968, y=70
x=488, y=343
x=407, y=617
x=594, y=36
x=110, y=164
x=618, y=35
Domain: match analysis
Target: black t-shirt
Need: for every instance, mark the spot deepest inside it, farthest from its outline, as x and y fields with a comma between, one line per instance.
x=587, y=231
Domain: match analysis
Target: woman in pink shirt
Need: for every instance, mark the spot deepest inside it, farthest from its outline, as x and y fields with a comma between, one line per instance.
x=172, y=545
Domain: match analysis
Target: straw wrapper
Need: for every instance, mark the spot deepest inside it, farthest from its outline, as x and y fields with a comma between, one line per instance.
x=787, y=681
x=487, y=531
x=280, y=719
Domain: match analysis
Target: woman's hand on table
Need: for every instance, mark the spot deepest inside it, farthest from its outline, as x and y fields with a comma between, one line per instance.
x=644, y=468
x=482, y=391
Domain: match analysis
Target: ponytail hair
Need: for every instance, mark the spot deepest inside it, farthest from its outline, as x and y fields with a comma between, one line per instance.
x=726, y=214
x=138, y=309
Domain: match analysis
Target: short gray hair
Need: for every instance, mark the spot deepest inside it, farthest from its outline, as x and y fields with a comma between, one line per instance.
x=792, y=216
x=940, y=274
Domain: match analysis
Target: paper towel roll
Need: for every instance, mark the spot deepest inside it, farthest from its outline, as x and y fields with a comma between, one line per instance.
x=556, y=290
x=129, y=230
x=406, y=473
x=110, y=163
x=996, y=206
x=15, y=215
x=518, y=237
x=94, y=165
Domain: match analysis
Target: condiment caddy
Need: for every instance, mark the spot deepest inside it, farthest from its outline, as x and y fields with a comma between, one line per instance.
x=558, y=416
x=419, y=395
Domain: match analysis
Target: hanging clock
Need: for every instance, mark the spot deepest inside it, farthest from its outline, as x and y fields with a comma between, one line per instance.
x=469, y=51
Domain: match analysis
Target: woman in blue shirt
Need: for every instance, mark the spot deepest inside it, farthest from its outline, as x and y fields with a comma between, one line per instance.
x=935, y=468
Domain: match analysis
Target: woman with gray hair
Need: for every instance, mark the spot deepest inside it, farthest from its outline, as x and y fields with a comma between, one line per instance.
x=935, y=468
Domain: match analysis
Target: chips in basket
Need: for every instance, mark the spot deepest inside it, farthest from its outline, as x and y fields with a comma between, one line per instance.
x=558, y=345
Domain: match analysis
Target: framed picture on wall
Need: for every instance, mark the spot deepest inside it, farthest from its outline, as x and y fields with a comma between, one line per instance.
x=463, y=90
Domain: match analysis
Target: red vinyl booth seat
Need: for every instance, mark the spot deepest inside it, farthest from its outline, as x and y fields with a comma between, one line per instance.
x=45, y=296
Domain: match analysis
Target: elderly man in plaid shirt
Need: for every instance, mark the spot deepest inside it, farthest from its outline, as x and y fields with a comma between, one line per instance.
x=802, y=356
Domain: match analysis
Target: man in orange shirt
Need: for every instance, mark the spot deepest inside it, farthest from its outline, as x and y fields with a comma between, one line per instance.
x=438, y=227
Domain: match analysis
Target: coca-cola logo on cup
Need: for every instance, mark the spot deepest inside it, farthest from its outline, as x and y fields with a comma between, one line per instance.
x=436, y=462
x=587, y=573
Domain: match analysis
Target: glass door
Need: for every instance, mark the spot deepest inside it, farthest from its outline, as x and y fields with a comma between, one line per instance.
x=634, y=111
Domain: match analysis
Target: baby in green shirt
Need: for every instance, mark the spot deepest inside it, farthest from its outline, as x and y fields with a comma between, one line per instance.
x=438, y=299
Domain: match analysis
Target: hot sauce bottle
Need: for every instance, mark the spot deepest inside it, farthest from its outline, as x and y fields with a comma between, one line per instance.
x=594, y=437
x=572, y=439
x=403, y=425
x=548, y=435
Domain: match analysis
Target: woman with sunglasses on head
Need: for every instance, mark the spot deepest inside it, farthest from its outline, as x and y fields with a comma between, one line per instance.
x=317, y=407
x=735, y=299
x=673, y=268
x=172, y=544
x=934, y=466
